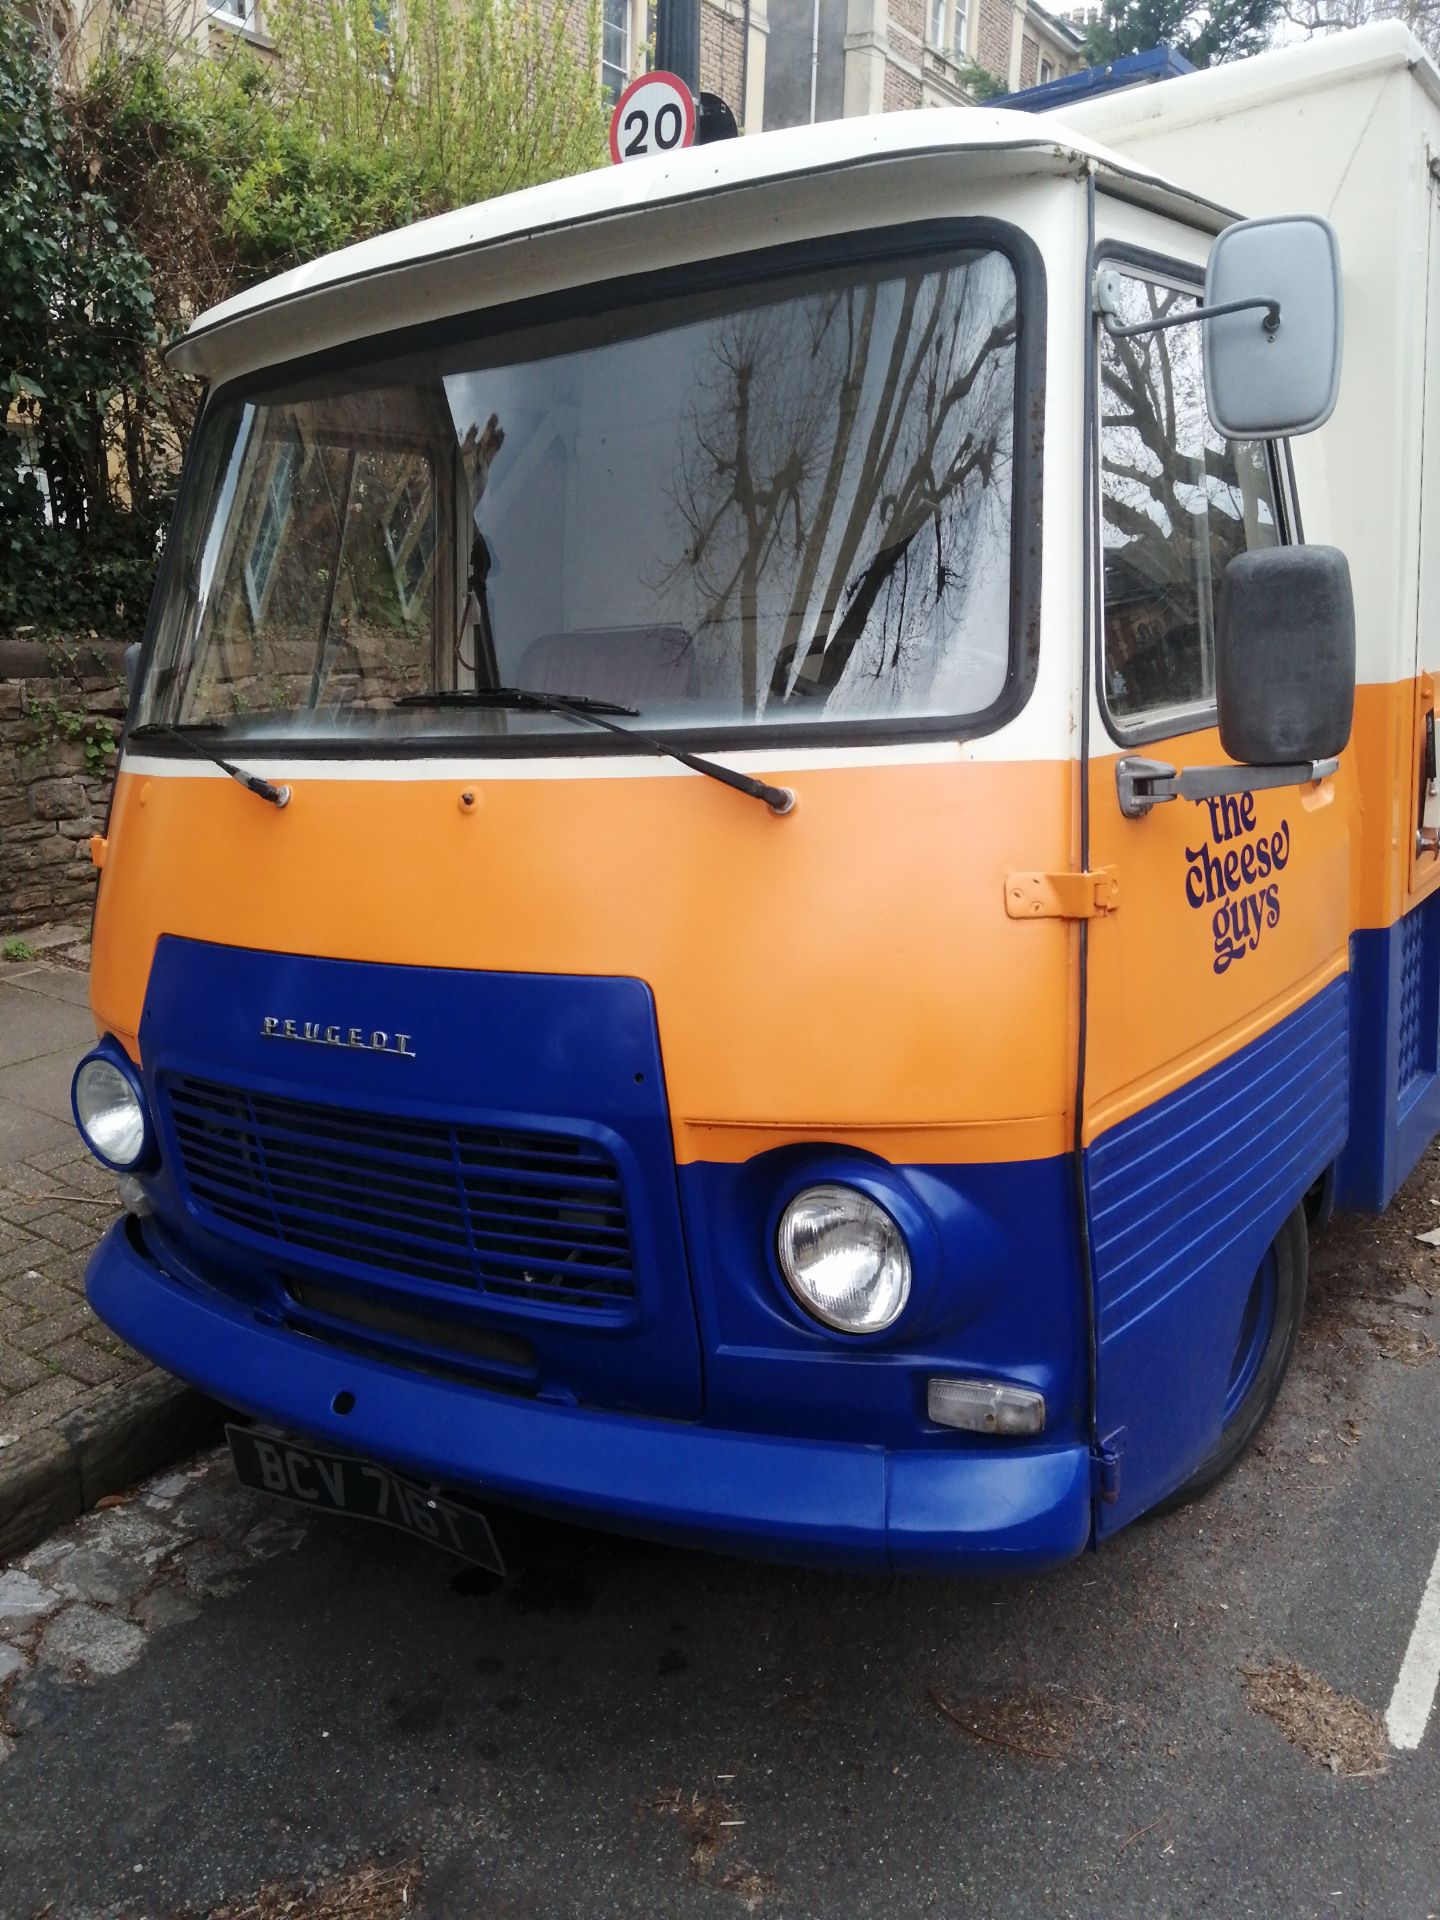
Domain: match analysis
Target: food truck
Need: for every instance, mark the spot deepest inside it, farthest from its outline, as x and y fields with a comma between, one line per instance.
x=778, y=841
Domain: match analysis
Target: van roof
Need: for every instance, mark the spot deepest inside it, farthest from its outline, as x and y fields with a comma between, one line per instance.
x=1239, y=86
x=318, y=304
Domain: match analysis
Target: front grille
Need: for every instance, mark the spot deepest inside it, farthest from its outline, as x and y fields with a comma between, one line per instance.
x=532, y=1216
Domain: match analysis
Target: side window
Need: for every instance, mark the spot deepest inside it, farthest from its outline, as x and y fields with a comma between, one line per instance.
x=1178, y=503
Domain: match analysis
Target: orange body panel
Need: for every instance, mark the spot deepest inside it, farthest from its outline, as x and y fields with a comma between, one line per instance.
x=847, y=972
x=844, y=973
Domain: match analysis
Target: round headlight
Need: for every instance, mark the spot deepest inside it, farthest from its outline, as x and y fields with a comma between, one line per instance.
x=844, y=1259
x=110, y=1113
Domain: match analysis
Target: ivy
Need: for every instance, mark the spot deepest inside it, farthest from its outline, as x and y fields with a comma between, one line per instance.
x=81, y=499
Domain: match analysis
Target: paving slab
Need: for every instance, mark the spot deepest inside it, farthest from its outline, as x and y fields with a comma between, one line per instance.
x=80, y=1413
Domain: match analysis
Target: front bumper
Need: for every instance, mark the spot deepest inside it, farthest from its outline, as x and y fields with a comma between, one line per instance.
x=982, y=1510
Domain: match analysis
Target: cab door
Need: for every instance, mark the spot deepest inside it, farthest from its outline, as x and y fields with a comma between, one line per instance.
x=1216, y=1058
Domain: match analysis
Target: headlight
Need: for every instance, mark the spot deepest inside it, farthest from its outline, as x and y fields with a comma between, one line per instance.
x=844, y=1259
x=109, y=1112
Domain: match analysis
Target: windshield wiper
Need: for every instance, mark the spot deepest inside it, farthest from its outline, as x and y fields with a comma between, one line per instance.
x=520, y=697
x=152, y=730
x=582, y=708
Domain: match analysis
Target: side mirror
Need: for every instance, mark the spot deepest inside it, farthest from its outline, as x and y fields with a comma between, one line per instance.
x=130, y=661
x=1285, y=656
x=1273, y=369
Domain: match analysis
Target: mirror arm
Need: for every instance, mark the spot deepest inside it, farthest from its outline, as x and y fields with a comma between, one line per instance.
x=1271, y=322
x=1143, y=784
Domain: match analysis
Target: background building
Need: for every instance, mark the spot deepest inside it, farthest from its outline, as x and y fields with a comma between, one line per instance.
x=830, y=59
x=778, y=63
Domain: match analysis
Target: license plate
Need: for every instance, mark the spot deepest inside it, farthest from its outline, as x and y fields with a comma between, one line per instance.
x=341, y=1483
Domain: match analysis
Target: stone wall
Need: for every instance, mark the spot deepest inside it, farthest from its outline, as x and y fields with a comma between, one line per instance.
x=62, y=706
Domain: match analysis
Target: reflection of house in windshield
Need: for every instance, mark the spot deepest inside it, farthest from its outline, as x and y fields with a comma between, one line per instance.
x=791, y=503
x=330, y=562
x=276, y=496
x=410, y=540
x=1153, y=652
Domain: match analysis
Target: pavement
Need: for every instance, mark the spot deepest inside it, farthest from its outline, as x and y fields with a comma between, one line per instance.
x=81, y=1414
x=246, y=1710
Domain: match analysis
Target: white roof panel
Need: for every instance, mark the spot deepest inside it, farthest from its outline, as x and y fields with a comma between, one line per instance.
x=391, y=280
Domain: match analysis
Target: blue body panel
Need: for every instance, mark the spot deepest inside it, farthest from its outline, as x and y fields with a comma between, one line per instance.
x=578, y=1058
x=1185, y=1197
x=701, y=1404
x=1010, y=1509
x=1112, y=76
x=1394, y=1084
x=995, y=1293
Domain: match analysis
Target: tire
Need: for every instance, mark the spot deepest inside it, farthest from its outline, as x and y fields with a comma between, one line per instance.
x=1269, y=1327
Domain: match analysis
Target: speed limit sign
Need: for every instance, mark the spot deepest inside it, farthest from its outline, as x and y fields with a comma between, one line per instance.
x=655, y=114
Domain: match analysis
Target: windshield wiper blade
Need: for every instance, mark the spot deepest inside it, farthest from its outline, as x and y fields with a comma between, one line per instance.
x=521, y=697
x=582, y=708
x=152, y=730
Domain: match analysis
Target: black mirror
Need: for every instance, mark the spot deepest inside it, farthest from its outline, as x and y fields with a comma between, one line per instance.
x=1285, y=656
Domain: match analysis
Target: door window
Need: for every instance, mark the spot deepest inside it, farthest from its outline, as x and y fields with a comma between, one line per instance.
x=1178, y=503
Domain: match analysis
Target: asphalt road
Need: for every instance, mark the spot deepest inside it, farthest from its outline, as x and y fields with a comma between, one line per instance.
x=208, y=1698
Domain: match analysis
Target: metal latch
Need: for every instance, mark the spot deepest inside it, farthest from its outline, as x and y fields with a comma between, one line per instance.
x=1143, y=784
x=1105, y=1466
x=1062, y=896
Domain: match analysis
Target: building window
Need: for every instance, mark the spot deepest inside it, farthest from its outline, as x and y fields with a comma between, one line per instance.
x=615, y=47
x=947, y=28
x=241, y=12
x=1047, y=72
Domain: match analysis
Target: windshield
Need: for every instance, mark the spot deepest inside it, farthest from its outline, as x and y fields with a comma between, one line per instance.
x=741, y=508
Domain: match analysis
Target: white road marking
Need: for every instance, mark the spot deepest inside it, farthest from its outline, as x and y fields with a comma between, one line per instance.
x=1414, y=1693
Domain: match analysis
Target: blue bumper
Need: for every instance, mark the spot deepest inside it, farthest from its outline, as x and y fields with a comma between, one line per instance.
x=990, y=1510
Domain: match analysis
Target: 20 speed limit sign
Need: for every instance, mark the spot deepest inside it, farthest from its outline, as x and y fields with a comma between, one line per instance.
x=655, y=114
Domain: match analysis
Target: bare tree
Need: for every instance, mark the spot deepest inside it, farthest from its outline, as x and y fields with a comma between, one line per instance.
x=1312, y=17
x=846, y=472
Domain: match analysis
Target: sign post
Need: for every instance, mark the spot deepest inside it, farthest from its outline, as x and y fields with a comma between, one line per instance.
x=655, y=114
x=677, y=39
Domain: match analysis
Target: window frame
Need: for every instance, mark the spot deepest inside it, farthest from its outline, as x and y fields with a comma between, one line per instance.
x=626, y=9
x=235, y=13
x=901, y=245
x=1184, y=276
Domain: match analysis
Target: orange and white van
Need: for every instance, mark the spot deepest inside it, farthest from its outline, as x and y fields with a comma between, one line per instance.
x=749, y=894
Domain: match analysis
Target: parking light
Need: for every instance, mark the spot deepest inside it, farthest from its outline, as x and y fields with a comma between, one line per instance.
x=985, y=1406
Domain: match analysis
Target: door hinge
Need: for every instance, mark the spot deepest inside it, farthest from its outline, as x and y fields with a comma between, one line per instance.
x=1105, y=1466
x=1062, y=896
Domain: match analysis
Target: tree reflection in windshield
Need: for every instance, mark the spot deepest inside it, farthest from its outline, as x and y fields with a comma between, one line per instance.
x=781, y=503
x=845, y=487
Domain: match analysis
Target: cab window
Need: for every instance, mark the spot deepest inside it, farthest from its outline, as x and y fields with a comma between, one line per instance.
x=1178, y=503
